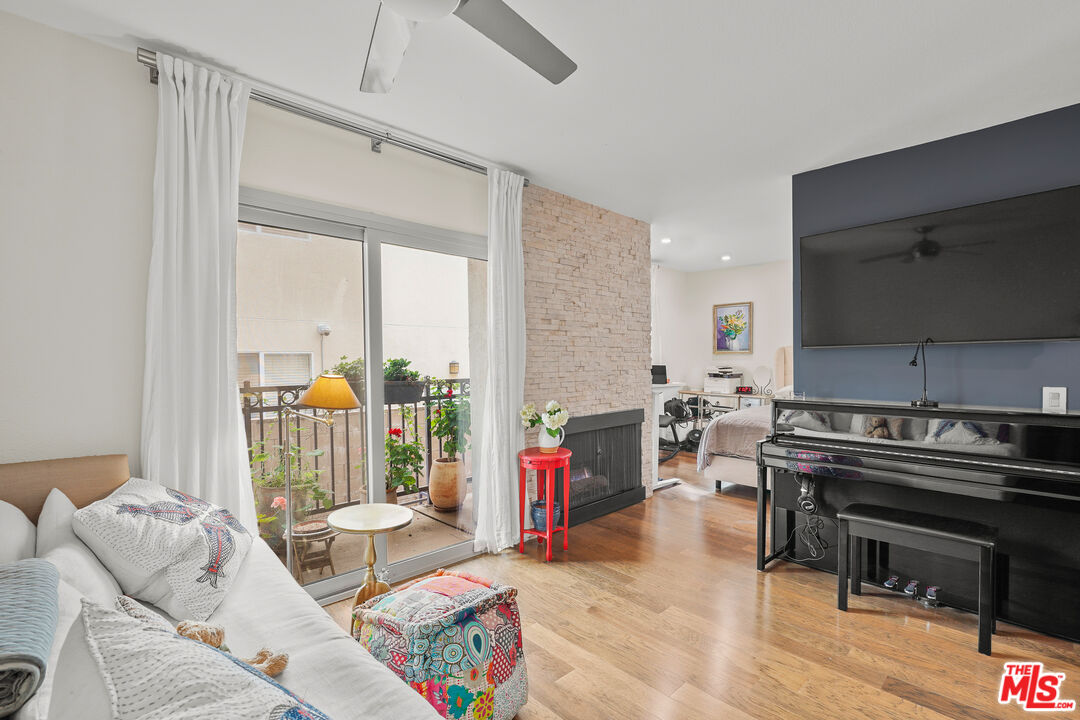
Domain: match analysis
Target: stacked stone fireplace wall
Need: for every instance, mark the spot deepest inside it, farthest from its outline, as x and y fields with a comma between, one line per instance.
x=586, y=309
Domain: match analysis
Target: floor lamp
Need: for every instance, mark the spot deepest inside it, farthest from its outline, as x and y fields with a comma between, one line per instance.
x=329, y=393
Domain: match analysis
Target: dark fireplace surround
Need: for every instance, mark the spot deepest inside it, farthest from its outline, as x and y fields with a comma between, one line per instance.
x=605, y=469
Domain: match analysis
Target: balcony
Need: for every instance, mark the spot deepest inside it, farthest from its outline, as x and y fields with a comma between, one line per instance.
x=331, y=472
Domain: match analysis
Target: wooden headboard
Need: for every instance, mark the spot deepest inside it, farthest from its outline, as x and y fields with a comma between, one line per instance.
x=83, y=479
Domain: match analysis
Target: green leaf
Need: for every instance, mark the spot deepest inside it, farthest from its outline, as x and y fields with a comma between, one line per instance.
x=552, y=433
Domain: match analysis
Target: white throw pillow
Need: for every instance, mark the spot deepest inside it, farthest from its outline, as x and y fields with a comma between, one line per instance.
x=961, y=432
x=18, y=536
x=57, y=543
x=805, y=419
x=152, y=673
x=165, y=547
x=73, y=687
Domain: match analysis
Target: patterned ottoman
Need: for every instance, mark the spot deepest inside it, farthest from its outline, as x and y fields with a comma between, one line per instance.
x=455, y=639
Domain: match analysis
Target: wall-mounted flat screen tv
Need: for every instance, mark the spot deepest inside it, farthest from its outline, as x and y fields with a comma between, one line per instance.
x=1000, y=271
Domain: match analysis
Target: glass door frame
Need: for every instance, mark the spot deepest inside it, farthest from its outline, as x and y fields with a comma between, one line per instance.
x=262, y=207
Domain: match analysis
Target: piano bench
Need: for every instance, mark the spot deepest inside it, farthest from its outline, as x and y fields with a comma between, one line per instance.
x=947, y=536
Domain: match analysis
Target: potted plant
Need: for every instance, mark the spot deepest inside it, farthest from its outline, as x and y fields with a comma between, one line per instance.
x=451, y=423
x=402, y=385
x=404, y=461
x=271, y=524
x=268, y=479
x=553, y=419
x=353, y=371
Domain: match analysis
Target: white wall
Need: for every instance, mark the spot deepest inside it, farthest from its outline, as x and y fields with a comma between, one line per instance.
x=295, y=156
x=77, y=129
x=683, y=320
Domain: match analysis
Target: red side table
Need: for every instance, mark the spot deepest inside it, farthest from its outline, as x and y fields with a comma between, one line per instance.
x=549, y=463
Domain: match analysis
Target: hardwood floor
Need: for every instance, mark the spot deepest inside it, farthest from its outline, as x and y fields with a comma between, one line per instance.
x=657, y=611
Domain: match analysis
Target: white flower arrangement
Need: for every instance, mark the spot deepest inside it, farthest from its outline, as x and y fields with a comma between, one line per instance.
x=554, y=418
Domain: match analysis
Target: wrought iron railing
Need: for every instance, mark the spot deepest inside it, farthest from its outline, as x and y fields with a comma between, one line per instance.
x=343, y=460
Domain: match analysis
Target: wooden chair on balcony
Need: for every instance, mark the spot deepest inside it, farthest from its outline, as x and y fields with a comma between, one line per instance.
x=313, y=541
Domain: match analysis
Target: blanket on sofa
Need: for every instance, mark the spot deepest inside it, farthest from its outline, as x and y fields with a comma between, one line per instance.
x=28, y=596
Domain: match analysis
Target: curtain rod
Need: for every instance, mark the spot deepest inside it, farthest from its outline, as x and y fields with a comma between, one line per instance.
x=378, y=137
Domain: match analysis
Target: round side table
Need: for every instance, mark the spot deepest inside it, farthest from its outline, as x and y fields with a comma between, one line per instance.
x=549, y=462
x=369, y=519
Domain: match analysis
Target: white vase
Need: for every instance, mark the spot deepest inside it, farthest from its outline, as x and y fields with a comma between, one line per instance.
x=550, y=444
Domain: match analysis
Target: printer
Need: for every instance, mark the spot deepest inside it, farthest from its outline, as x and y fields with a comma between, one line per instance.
x=722, y=380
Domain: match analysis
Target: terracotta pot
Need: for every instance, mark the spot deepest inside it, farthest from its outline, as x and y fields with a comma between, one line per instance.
x=391, y=496
x=446, y=484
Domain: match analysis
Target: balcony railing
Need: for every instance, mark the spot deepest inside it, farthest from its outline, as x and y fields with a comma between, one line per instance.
x=343, y=461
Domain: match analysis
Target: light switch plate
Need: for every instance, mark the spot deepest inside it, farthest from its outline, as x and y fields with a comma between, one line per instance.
x=1054, y=400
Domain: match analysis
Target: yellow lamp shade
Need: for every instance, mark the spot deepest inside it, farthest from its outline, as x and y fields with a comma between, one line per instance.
x=330, y=392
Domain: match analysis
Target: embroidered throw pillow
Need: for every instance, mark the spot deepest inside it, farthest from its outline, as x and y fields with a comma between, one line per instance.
x=961, y=432
x=165, y=547
x=154, y=673
x=806, y=419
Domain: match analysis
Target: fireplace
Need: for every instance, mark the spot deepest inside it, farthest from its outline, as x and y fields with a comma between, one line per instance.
x=605, y=469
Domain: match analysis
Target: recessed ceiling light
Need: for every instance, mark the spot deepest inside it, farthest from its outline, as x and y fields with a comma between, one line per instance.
x=666, y=241
x=725, y=258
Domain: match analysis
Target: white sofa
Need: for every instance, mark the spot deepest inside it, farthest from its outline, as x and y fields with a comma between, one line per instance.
x=265, y=607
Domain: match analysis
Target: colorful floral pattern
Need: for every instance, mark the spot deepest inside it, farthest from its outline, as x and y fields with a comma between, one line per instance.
x=455, y=639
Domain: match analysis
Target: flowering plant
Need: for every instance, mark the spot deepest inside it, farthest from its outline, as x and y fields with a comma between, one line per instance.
x=404, y=460
x=451, y=423
x=553, y=417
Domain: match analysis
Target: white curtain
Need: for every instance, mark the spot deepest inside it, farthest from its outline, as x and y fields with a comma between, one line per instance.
x=495, y=479
x=192, y=428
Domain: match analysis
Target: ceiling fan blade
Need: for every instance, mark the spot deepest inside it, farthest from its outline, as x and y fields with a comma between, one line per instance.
x=512, y=33
x=887, y=256
x=970, y=244
x=389, y=39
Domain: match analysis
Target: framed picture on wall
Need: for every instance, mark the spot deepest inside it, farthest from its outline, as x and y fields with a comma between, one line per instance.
x=733, y=328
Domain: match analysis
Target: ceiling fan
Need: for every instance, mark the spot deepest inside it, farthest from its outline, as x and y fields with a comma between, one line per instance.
x=494, y=18
x=925, y=249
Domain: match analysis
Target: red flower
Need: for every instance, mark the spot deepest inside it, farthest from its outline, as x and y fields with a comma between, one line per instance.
x=438, y=412
x=449, y=392
x=395, y=432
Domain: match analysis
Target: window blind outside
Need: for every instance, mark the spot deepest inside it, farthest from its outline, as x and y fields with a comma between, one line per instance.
x=247, y=368
x=286, y=368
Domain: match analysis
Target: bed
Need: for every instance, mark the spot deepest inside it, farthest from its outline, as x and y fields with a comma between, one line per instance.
x=726, y=453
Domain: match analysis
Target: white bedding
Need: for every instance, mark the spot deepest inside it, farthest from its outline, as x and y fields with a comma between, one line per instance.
x=734, y=434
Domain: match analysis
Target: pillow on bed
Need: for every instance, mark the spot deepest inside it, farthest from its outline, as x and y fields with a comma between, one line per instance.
x=57, y=543
x=154, y=673
x=805, y=419
x=166, y=547
x=18, y=536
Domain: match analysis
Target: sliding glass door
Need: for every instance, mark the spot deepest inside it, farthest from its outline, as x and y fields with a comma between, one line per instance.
x=402, y=316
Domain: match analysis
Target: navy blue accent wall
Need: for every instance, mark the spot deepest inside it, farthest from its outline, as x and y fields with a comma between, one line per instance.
x=1037, y=153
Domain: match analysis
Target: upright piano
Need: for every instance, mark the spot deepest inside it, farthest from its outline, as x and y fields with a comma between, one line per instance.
x=1017, y=471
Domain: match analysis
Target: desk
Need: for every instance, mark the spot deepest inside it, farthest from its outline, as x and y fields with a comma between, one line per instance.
x=710, y=394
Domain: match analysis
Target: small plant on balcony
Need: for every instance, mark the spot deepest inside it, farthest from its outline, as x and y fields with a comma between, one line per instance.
x=353, y=370
x=404, y=461
x=268, y=472
x=397, y=370
x=402, y=385
x=451, y=422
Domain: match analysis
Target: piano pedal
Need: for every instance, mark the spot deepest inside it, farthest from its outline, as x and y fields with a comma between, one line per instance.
x=912, y=588
x=891, y=583
x=930, y=600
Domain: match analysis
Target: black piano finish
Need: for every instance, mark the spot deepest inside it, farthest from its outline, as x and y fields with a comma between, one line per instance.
x=1016, y=471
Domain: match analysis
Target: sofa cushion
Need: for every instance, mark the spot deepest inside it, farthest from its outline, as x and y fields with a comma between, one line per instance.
x=165, y=547
x=266, y=608
x=57, y=543
x=18, y=536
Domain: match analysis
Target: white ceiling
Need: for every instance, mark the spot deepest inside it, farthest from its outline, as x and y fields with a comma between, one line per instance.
x=689, y=114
